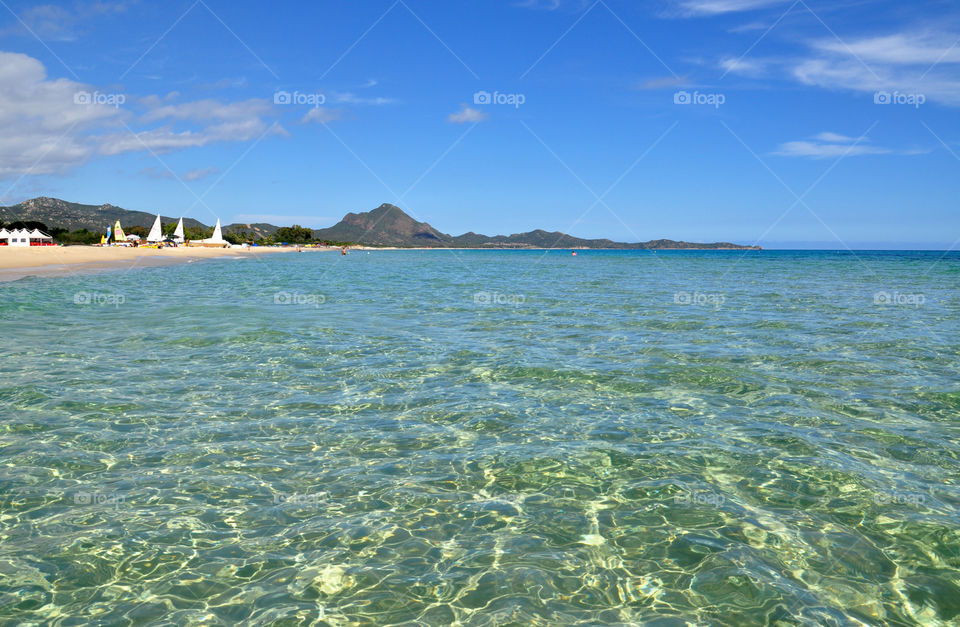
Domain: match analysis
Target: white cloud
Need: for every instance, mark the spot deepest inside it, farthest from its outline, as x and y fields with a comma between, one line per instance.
x=207, y=110
x=898, y=49
x=663, y=82
x=348, y=98
x=827, y=136
x=201, y=173
x=816, y=150
x=48, y=126
x=913, y=64
x=749, y=27
x=59, y=22
x=166, y=139
x=321, y=115
x=41, y=125
x=828, y=145
x=466, y=115
x=719, y=7
x=744, y=66
x=154, y=172
x=549, y=5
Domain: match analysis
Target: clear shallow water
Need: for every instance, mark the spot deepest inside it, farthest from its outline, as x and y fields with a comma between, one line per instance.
x=485, y=438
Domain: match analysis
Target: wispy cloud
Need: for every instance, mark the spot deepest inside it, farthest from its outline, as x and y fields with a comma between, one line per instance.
x=206, y=110
x=553, y=5
x=321, y=115
x=467, y=115
x=63, y=22
x=830, y=145
x=663, y=82
x=201, y=173
x=168, y=139
x=693, y=8
x=744, y=66
x=349, y=98
x=154, y=172
x=898, y=48
x=923, y=64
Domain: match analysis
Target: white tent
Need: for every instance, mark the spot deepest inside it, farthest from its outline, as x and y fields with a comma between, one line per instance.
x=156, y=235
x=178, y=234
x=4, y=237
x=25, y=237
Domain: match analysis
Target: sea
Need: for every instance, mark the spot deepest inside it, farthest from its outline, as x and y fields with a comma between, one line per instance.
x=485, y=438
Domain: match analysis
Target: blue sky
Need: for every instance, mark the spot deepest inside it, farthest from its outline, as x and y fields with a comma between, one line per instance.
x=784, y=123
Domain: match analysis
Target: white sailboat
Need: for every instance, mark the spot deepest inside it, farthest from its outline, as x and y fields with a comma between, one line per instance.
x=155, y=235
x=178, y=233
x=216, y=241
x=217, y=235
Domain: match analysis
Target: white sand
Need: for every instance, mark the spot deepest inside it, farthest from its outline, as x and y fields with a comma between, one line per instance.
x=17, y=262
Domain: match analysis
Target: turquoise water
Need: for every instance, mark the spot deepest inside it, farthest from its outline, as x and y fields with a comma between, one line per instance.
x=485, y=438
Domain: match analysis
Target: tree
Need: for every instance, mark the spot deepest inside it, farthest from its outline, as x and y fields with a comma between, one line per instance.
x=194, y=233
x=28, y=224
x=137, y=230
x=235, y=237
x=295, y=234
x=80, y=236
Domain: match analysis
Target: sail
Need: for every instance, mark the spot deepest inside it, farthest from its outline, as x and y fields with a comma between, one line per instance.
x=118, y=234
x=178, y=234
x=155, y=234
x=217, y=235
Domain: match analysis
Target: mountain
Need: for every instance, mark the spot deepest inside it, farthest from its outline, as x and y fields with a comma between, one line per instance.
x=388, y=225
x=257, y=229
x=72, y=216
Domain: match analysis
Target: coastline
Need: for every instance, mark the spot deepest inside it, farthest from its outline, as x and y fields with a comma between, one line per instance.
x=17, y=263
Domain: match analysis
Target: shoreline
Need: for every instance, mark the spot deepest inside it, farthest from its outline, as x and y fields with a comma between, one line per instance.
x=536, y=249
x=17, y=263
x=42, y=261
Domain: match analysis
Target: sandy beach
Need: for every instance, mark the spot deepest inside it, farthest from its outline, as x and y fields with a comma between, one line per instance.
x=16, y=263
